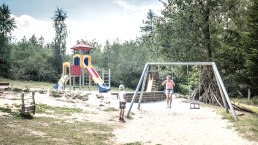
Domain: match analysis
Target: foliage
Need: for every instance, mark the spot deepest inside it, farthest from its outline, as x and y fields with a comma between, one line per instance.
x=32, y=61
x=126, y=62
x=252, y=47
x=7, y=24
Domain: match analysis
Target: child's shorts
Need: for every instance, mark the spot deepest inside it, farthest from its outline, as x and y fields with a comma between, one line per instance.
x=122, y=105
x=169, y=91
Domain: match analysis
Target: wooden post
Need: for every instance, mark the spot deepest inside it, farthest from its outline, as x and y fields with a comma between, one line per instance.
x=74, y=83
x=23, y=105
x=249, y=94
x=80, y=82
x=33, y=101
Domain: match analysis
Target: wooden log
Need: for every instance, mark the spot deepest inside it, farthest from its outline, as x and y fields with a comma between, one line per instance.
x=246, y=108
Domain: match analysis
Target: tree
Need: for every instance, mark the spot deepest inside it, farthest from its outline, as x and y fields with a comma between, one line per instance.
x=7, y=24
x=59, y=44
x=252, y=47
x=148, y=34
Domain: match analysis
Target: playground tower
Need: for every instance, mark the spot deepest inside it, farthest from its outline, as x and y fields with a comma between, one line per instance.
x=75, y=69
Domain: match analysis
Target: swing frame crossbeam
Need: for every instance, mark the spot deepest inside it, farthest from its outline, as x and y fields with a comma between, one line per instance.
x=225, y=98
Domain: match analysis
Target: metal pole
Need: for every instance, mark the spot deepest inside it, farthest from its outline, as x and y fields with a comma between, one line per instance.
x=179, y=63
x=137, y=88
x=224, y=90
x=143, y=86
x=222, y=94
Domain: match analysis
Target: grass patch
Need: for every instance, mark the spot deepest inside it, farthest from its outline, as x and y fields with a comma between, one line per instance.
x=46, y=109
x=9, y=111
x=45, y=85
x=253, y=101
x=29, y=84
x=247, y=125
x=43, y=130
x=110, y=109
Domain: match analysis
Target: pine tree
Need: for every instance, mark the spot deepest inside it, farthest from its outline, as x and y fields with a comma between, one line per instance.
x=7, y=24
x=59, y=44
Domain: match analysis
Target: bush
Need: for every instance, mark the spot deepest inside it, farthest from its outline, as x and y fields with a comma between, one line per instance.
x=255, y=100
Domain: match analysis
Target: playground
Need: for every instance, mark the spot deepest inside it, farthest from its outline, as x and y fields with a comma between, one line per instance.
x=149, y=121
x=128, y=72
x=153, y=124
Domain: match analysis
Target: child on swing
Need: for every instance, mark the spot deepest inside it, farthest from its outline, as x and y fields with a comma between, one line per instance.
x=169, y=90
x=122, y=102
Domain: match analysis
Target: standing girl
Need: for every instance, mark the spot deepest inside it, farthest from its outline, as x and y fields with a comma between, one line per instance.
x=169, y=90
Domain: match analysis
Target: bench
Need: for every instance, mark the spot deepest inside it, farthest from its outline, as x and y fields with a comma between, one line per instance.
x=4, y=86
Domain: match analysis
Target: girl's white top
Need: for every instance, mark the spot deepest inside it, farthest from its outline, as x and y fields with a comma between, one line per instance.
x=121, y=96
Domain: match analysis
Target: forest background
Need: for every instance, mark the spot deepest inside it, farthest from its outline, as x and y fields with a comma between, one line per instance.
x=223, y=31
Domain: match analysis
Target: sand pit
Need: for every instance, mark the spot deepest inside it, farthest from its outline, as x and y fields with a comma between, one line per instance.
x=156, y=124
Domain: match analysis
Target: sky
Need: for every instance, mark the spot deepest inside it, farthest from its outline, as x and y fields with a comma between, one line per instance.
x=87, y=19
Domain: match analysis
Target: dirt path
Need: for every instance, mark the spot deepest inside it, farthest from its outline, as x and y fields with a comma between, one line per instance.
x=156, y=124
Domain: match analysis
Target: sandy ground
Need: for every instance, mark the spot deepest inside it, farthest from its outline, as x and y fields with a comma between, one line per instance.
x=154, y=124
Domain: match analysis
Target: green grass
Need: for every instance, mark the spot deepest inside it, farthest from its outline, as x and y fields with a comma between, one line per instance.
x=9, y=111
x=46, y=109
x=18, y=84
x=29, y=84
x=50, y=131
x=253, y=101
x=247, y=125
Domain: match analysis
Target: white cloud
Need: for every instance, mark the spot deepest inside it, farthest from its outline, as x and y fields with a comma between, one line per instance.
x=125, y=26
x=27, y=26
x=156, y=7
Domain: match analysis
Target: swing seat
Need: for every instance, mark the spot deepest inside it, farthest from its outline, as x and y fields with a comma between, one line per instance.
x=194, y=104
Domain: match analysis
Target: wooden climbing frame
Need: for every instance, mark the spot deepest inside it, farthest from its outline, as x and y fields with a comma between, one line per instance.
x=28, y=105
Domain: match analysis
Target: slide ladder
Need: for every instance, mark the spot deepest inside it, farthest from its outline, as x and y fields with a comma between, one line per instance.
x=97, y=79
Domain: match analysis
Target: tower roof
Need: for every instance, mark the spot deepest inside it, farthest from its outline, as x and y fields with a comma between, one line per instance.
x=82, y=46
